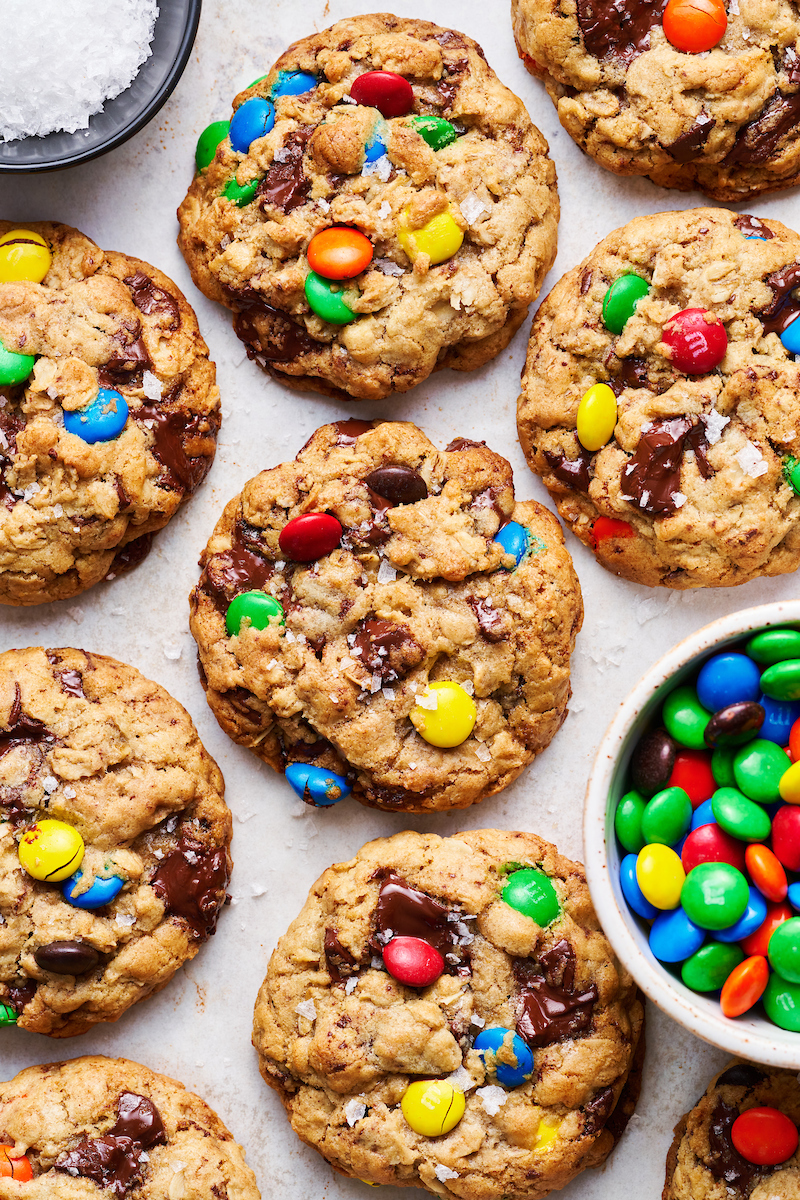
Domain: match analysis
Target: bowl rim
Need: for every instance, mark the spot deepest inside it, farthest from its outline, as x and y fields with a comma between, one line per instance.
x=156, y=102
x=746, y=1040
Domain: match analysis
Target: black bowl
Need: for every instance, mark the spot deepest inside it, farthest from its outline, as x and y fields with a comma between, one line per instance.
x=126, y=114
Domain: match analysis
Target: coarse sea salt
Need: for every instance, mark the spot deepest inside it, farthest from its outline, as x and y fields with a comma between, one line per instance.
x=62, y=62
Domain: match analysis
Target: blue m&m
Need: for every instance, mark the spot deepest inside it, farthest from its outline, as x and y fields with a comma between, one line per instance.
x=515, y=539
x=674, y=936
x=631, y=890
x=490, y=1042
x=293, y=83
x=727, y=679
x=376, y=145
x=252, y=120
x=791, y=337
x=316, y=785
x=102, y=891
x=102, y=420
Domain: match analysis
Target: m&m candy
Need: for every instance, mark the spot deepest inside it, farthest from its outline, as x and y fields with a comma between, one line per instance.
x=252, y=120
x=745, y=986
x=391, y=94
x=50, y=850
x=14, y=1168
x=317, y=786
x=715, y=895
x=695, y=25
x=7, y=1015
x=14, y=368
x=292, y=83
x=782, y=1002
x=751, y=919
x=619, y=302
x=784, y=950
x=606, y=528
x=310, y=536
x=208, y=141
x=515, y=539
x=628, y=821
x=436, y=131
x=728, y=679
x=256, y=608
x=766, y=872
x=24, y=256
x=674, y=936
x=440, y=238
x=660, y=875
x=696, y=339
x=707, y=969
x=790, y=338
x=693, y=772
x=597, y=417
x=764, y=1136
x=507, y=1058
x=326, y=300
x=432, y=1107
x=532, y=893
x=240, y=193
x=444, y=714
x=102, y=420
x=339, y=253
x=667, y=816
x=412, y=961
x=102, y=891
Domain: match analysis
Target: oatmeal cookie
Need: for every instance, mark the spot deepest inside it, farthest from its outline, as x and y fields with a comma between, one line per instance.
x=114, y=839
x=399, y=133
x=520, y=1046
x=726, y=122
x=687, y=322
x=106, y=1127
x=414, y=620
x=703, y=1162
x=109, y=410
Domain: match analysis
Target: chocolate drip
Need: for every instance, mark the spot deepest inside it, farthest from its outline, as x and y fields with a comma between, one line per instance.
x=239, y=569
x=131, y=554
x=348, y=431
x=113, y=1161
x=574, y=472
x=691, y=144
x=757, y=140
x=784, y=308
x=550, y=1011
x=403, y=911
x=751, y=226
x=150, y=299
x=741, y=1075
x=340, y=962
x=22, y=730
x=285, y=185
x=652, y=477
x=173, y=431
x=598, y=1110
x=490, y=620
x=387, y=649
x=724, y=1161
x=616, y=28
x=400, y=485
x=270, y=335
x=191, y=881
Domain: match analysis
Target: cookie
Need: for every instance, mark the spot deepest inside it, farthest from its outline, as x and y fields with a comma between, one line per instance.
x=690, y=97
x=398, y=135
x=703, y=1161
x=411, y=658
x=503, y=1072
x=114, y=839
x=109, y=410
x=661, y=399
x=108, y=1127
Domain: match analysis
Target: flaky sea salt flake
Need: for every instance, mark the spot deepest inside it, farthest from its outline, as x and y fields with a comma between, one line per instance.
x=751, y=460
x=354, y=1110
x=482, y=752
x=492, y=1098
x=714, y=423
x=444, y=1173
x=307, y=1009
x=386, y=572
x=151, y=386
x=471, y=208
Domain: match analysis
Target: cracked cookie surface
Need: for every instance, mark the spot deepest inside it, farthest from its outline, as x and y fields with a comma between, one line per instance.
x=415, y=593
x=726, y=122
x=340, y=1039
x=711, y=504
x=106, y=1127
x=73, y=513
x=495, y=177
x=88, y=741
x=703, y=1163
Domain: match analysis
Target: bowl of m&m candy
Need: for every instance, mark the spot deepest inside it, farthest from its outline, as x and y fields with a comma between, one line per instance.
x=692, y=833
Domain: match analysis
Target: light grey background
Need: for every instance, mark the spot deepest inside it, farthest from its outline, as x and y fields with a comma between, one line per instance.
x=198, y=1028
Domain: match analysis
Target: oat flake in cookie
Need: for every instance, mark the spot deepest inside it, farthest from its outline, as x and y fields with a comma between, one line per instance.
x=704, y=1162
x=661, y=399
x=109, y=410
x=420, y=655
x=719, y=112
x=109, y=1127
x=114, y=839
x=400, y=133
x=399, y=1084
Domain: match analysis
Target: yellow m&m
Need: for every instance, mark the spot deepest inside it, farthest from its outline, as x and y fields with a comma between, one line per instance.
x=432, y=1106
x=440, y=239
x=597, y=416
x=546, y=1134
x=660, y=875
x=24, y=255
x=51, y=850
x=444, y=715
x=789, y=786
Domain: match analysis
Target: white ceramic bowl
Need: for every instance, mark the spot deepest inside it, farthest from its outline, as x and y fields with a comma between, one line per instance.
x=752, y=1035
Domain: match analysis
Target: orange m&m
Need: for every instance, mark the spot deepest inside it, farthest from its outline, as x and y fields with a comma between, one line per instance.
x=758, y=942
x=14, y=1168
x=695, y=25
x=339, y=253
x=765, y=1136
x=766, y=872
x=609, y=527
x=744, y=986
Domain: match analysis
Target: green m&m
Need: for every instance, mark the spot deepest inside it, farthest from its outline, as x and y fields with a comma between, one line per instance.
x=791, y=473
x=258, y=608
x=531, y=893
x=436, y=131
x=784, y=950
x=782, y=1002
x=619, y=302
x=685, y=718
x=14, y=368
x=208, y=141
x=781, y=681
x=774, y=645
x=667, y=817
x=325, y=299
x=710, y=966
x=240, y=193
x=758, y=768
x=628, y=822
x=722, y=766
x=740, y=817
x=714, y=895
x=7, y=1015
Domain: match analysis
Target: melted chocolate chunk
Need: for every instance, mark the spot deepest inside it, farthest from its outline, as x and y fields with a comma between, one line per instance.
x=173, y=432
x=618, y=28
x=20, y=994
x=652, y=477
x=340, y=962
x=239, y=569
x=400, y=485
x=598, y=1110
x=150, y=299
x=586, y=280
x=70, y=680
x=270, y=335
x=490, y=620
x=652, y=761
x=460, y=443
x=690, y=145
x=784, y=308
x=285, y=185
x=127, y=367
x=791, y=64
x=347, y=432
x=139, y=1119
x=403, y=911
x=742, y=1075
x=22, y=730
x=759, y=139
x=697, y=440
x=574, y=472
x=548, y=1009
x=191, y=881
x=10, y=425
x=724, y=1160
x=751, y=226
x=67, y=958
x=386, y=649
x=131, y=554
x=113, y=1161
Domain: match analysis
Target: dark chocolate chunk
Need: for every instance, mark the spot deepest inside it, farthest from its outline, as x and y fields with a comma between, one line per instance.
x=632, y=373
x=20, y=993
x=586, y=280
x=271, y=335
x=386, y=649
x=401, y=485
x=22, y=730
x=791, y=64
x=114, y=1161
x=71, y=683
x=126, y=368
x=691, y=144
x=784, y=307
x=651, y=479
x=491, y=621
x=734, y=724
x=574, y=472
x=760, y=138
x=751, y=226
x=403, y=911
x=340, y=962
x=598, y=1110
x=180, y=442
x=240, y=569
x=548, y=1009
x=652, y=762
x=616, y=28
x=130, y=555
x=10, y=426
x=460, y=443
x=286, y=185
x=724, y=1161
x=697, y=440
x=139, y=1120
x=741, y=1075
x=191, y=881
x=67, y=958
x=150, y=299
x=348, y=431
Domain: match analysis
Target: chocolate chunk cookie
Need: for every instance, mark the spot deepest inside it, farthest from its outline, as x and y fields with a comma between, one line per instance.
x=399, y=133
x=503, y=1072
x=704, y=1163
x=109, y=410
x=114, y=839
x=680, y=468
x=108, y=1127
x=715, y=109
x=420, y=655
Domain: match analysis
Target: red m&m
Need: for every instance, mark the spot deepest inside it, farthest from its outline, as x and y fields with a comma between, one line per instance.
x=339, y=253
x=391, y=94
x=606, y=528
x=692, y=772
x=310, y=536
x=764, y=1136
x=695, y=25
x=413, y=961
x=696, y=339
